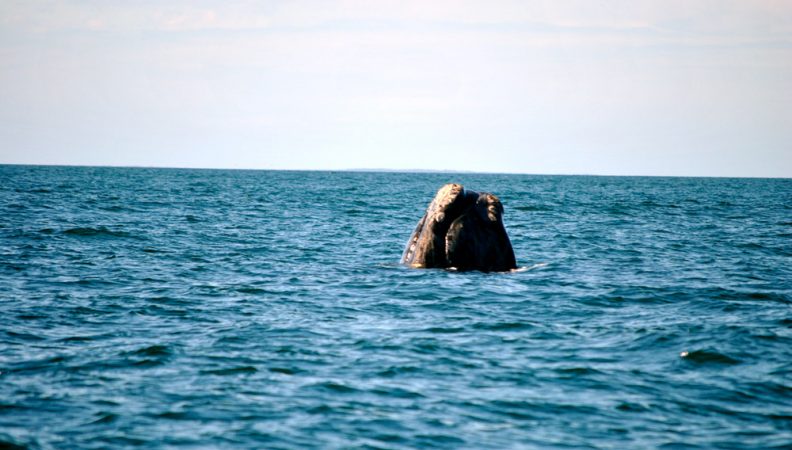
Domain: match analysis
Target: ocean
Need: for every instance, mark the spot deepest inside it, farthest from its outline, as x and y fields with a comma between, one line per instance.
x=165, y=308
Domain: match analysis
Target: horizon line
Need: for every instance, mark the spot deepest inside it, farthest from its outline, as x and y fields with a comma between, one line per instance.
x=386, y=170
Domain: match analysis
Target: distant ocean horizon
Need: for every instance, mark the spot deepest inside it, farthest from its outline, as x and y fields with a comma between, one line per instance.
x=408, y=170
x=251, y=308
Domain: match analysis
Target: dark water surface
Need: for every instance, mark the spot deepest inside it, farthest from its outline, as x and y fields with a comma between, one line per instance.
x=229, y=309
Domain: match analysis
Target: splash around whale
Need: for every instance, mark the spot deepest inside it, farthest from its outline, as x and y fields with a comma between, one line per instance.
x=462, y=230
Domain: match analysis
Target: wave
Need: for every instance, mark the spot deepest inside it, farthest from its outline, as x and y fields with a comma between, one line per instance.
x=96, y=232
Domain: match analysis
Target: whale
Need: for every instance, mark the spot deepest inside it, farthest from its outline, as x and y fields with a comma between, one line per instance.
x=461, y=230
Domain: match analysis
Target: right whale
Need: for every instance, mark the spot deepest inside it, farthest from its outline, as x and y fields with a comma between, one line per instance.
x=461, y=229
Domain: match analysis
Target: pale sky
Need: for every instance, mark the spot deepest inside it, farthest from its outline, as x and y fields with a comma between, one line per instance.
x=559, y=87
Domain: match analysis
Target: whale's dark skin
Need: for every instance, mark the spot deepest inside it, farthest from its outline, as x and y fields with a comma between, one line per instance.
x=461, y=229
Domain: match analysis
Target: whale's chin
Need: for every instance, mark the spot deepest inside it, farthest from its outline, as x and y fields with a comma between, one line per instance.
x=461, y=229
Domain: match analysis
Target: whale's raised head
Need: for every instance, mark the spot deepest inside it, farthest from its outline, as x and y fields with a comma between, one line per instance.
x=461, y=229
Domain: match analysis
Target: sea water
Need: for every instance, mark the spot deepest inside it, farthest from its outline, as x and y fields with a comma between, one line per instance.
x=162, y=308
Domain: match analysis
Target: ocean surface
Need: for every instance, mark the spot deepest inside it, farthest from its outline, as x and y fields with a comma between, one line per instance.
x=166, y=308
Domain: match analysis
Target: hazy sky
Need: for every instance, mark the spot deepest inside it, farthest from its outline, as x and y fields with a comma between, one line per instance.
x=597, y=87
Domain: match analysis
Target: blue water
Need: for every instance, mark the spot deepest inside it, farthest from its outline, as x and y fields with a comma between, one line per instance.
x=252, y=309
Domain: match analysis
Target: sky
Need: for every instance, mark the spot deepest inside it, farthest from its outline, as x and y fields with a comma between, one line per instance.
x=688, y=88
